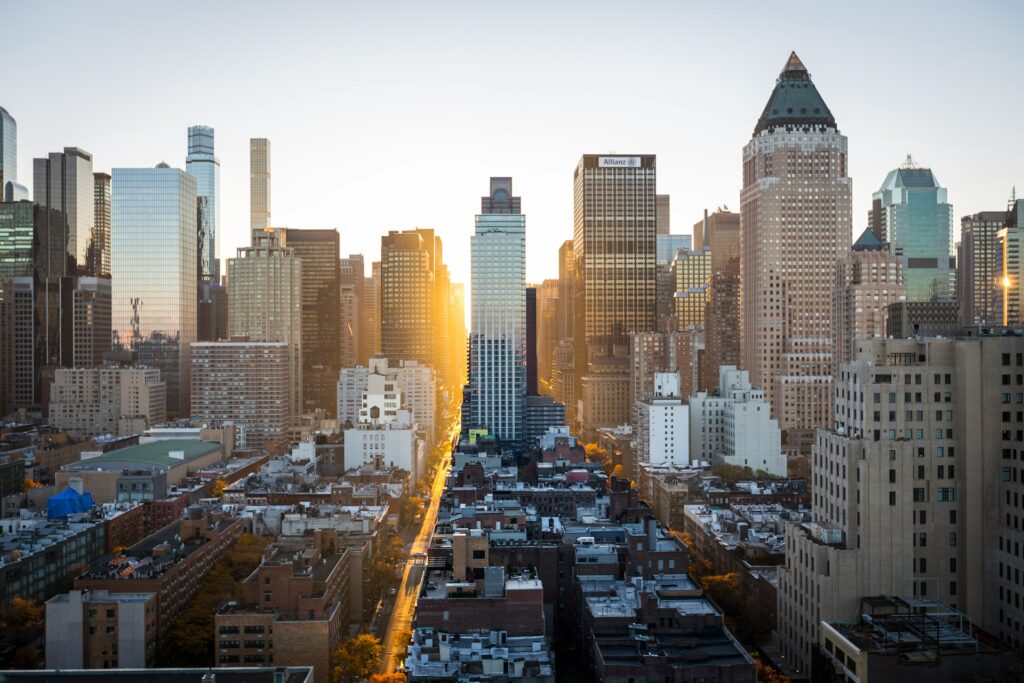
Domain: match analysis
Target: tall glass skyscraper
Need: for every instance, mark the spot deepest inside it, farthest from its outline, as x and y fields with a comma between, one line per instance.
x=9, y=157
x=259, y=183
x=497, y=365
x=64, y=181
x=910, y=213
x=154, y=269
x=205, y=167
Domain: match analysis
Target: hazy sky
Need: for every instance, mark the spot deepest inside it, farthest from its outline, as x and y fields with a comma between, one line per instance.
x=393, y=115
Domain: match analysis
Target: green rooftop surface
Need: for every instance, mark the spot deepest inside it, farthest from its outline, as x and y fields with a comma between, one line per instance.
x=154, y=453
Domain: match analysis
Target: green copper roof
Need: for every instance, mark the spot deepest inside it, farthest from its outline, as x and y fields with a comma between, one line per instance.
x=868, y=241
x=156, y=453
x=795, y=101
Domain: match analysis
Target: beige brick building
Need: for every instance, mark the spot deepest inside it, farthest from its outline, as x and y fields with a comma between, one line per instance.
x=107, y=400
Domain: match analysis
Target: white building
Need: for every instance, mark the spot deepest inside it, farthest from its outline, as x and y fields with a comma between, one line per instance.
x=107, y=400
x=735, y=426
x=662, y=430
x=413, y=387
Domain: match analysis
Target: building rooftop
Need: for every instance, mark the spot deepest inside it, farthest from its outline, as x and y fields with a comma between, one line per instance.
x=21, y=537
x=156, y=454
x=795, y=101
x=291, y=674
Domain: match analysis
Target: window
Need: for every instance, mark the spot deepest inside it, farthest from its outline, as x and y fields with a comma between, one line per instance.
x=919, y=495
x=952, y=538
x=892, y=497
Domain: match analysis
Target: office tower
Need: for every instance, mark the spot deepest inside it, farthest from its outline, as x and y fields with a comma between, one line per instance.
x=36, y=326
x=734, y=426
x=266, y=304
x=923, y=319
x=100, y=263
x=442, y=342
x=721, y=322
x=563, y=371
x=869, y=278
x=1010, y=278
x=666, y=247
x=980, y=259
x=369, y=324
x=113, y=399
x=910, y=214
x=10, y=189
x=614, y=251
x=663, y=222
x=498, y=340
x=547, y=305
x=153, y=269
x=663, y=425
x=259, y=183
x=247, y=383
x=321, y=313
x=64, y=181
x=91, y=315
x=407, y=295
x=795, y=216
x=352, y=281
x=212, y=311
x=205, y=167
x=542, y=414
x=689, y=277
x=720, y=233
x=915, y=493
x=531, y=341
x=457, y=333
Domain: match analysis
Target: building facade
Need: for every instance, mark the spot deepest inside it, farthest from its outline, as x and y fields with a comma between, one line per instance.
x=979, y=261
x=107, y=400
x=205, y=168
x=259, y=183
x=100, y=255
x=154, y=272
x=663, y=424
x=690, y=277
x=498, y=340
x=796, y=222
x=63, y=181
x=247, y=383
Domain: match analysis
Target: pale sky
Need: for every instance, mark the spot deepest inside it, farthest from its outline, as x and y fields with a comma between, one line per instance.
x=387, y=115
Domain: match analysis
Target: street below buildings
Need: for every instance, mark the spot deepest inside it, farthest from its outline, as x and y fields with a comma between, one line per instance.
x=408, y=591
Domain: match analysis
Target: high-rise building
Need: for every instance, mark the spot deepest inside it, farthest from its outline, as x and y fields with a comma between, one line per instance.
x=246, y=383
x=457, y=334
x=721, y=322
x=911, y=215
x=407, y=295
x=734, y=426
x=663, y=425
x=205, y=167
x=212, y=311
x=979, y=263
x=10, y=190
x=36, y=323
x=614, y=251
x=259, y=183
x=689, y=276
x=113, y=399
x=914, y=489
x=720, y=233
x=666, y=247
x=352, y=281
x=321, y=313
x=1009, y=292
x=531, y=342
x=498, y=340
x=154, y=272
x=369, y=324
x=64, y=181
x=266, y=303
x=868, y=279
x=91, y=315
x=547, y=309
x=663, y=224
x=100, y=264
x=796, y=223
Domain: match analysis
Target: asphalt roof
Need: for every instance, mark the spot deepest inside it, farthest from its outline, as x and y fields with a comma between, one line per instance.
x=155, y=453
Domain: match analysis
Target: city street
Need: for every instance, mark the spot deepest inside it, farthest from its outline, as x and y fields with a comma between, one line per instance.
x=408, y=590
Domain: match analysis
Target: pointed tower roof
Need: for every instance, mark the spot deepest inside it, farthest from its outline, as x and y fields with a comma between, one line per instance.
x=795, y=101
x=868, y=241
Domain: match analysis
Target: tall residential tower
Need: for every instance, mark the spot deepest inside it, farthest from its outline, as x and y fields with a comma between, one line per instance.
x=259, y=183
x=205, y=167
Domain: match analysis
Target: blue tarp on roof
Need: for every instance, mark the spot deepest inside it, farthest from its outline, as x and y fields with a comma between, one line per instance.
x=67, y=502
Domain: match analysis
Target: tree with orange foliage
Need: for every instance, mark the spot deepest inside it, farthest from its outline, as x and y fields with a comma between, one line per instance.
x=29, y=484
x=387, y=678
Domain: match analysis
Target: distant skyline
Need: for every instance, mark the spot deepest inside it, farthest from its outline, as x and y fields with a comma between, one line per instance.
x=389, y=116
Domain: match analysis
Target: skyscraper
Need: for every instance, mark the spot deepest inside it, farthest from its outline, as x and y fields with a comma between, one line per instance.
x=352, y=283
x=911, y=215
x=980, y=260
x=321, y=313
x=205, y=167
x=369, y=324
x=690, y=276
x=266, y=303
x=154, y=272
x=796, y=223
x=259, y=183
x=64, y=181
x=100, y=264
x=719, y=232
x=407, y=295
x=615, y=221
x=10, y=190
x=664, y=222
x=497, y=369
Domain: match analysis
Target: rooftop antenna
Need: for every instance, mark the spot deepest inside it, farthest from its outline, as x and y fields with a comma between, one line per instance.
x=910, y=163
